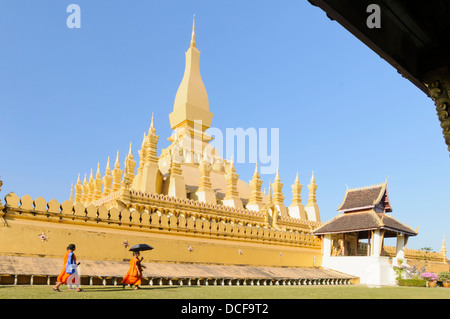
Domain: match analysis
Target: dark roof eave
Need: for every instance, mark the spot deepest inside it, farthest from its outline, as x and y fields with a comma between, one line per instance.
x=343, y=231
x=356, y=208
x=412, y=233
x=364, y=229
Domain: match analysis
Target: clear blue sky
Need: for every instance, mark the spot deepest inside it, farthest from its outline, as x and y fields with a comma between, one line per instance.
x=69, y=98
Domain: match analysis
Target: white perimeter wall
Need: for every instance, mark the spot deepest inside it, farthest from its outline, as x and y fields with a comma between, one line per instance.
x=372, y=270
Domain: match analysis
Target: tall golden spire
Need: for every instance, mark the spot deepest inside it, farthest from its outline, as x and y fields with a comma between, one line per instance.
x=255, y=200
x=91, y=187
x=312, y=209
x=117, y=174
x=312, y=190
x=297, y=191
x=296, y=209
x=85, y=187
x=71, y=193
x=232, y=198
x=205, y=193
x=191, y=105
x=278, y=197
x=98, y=183
x=444, y=250
x=131, y=164
x=148, y=175
x=78, y=190
x=193, y=32
x=107, y=179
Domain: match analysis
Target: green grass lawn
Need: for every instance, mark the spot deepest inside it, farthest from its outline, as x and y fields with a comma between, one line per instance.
x=224, y=292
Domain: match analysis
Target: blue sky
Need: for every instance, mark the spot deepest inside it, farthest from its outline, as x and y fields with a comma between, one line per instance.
x=69, y=98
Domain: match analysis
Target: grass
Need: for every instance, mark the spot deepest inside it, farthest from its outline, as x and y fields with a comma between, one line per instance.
x=225, y=292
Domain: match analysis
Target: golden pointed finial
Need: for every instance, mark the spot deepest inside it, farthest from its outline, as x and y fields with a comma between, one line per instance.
x=270, y=193
x=256, y=173
x=85, y=179
x=78, y=180
x=152, y=129
x=193, y=32
x=444, y=250
x=98, y=175
x=91, y=177
x=231, y=167
x=130, y=152
x=313, y=180
x=117, y=163
x=297, y=180
x=277, y=176
x=108, y=166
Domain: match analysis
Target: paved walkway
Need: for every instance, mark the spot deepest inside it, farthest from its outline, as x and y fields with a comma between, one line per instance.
x=13, y=265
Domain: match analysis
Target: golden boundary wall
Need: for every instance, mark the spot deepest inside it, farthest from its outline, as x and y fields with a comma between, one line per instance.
x=181, y=231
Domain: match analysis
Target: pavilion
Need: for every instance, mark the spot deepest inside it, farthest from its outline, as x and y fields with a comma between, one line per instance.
x=364, y=217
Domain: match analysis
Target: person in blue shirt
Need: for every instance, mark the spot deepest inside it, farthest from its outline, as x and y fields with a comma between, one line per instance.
x=70, y=265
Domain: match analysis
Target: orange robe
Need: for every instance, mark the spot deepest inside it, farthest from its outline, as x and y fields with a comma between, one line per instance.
x=132, y=277
x=63, y=275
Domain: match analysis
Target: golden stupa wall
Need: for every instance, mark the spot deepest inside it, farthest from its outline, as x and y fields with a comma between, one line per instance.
x=181, y=231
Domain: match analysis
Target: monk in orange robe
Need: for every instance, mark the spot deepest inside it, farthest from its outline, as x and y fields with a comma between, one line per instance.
x=134, y=274
x=70, y=261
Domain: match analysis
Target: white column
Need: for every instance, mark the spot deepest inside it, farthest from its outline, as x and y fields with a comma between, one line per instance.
x=376, y=242
x=326, y=246
x=400, y=246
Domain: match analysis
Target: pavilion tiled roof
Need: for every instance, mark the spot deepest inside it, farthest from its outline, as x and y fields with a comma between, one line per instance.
x=363, y=198
x=362, y=221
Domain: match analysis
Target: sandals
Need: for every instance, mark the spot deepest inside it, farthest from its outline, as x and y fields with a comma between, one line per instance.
x=56, y=289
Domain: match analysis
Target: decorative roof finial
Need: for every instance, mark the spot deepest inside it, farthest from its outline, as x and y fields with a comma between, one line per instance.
x=277, y=176
x=117, y=163
x=256, y=173
x=152, y=129
x=108, y=167
x=193, y=32
x=130, y=152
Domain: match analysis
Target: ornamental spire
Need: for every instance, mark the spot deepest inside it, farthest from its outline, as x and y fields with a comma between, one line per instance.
x=296, y=209
x=85, y=188
x=191, y=105
x=312, y=191
x=117, y=174
x=255, y=200
x=78, y=190
x=312, y=209
x=152, y=129
x=98, y=183
x=444, y=250
x=193, y=32
x=278, y=196
x=107, y=179
x=71, y=193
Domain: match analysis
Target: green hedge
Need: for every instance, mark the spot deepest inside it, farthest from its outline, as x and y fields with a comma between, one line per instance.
x=412, y=282
x=444, y=276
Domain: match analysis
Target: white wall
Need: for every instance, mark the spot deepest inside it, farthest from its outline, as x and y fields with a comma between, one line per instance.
x=372, y=270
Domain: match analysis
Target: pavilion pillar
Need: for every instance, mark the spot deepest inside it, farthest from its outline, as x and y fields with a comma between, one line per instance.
x=401, y=243
x=377, y=242
x=326, y=245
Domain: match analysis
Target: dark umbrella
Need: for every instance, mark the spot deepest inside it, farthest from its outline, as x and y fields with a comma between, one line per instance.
x=141, y=247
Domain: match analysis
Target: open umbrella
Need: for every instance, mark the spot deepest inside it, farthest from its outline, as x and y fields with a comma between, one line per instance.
x=141, y=247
